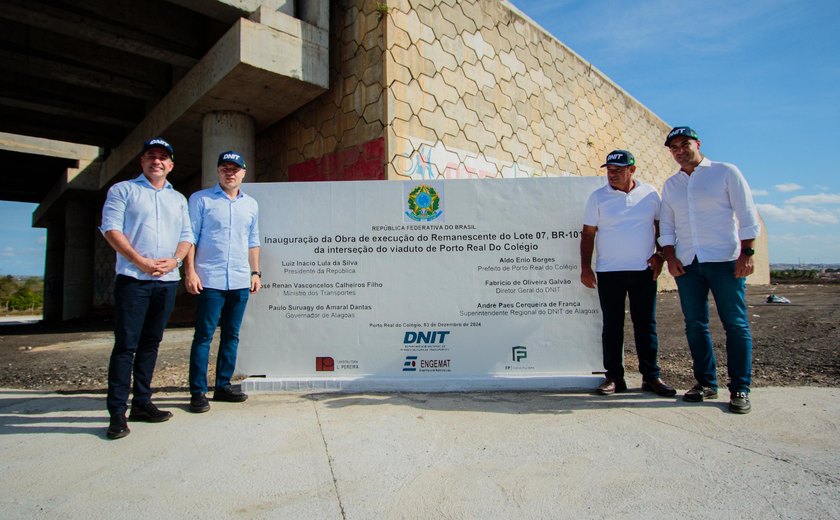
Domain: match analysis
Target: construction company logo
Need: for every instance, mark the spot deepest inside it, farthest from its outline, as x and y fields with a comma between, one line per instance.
x=424, y=340
x=410, y=364
x=328, y=364
x=324, y=364
x=235, y=157
x=415, y=364
x=423, y=202
x=518, y=355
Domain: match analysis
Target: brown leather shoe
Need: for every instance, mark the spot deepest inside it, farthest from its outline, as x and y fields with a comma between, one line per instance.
x=612, y=386
x=658, y=387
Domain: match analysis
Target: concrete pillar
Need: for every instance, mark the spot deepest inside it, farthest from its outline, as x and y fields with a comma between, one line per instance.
x=79, y=228
x=54, y=273
x=222, y=131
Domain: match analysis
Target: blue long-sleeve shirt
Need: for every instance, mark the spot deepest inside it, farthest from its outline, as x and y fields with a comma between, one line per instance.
x=154, y=222
x=224, y=231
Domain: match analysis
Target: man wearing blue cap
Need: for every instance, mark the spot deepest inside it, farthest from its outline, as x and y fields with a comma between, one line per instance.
x=147, y=223
x=708, y=225
x=223, y=270
x=622, y=218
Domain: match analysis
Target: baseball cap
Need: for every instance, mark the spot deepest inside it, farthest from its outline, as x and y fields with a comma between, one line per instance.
x=681, y=131
x=620, y=158
x=159, y=142
x=231, y=157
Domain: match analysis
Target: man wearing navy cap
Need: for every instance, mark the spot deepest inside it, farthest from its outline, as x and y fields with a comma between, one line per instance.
x=147, y=223
x=223, y=270
x=622, y=218
x=708, y=225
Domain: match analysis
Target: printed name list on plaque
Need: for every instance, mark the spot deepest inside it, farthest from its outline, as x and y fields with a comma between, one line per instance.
x=457, y=280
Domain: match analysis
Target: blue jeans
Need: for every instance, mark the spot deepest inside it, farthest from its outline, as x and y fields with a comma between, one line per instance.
x=728, y=291
x=141, y=310
x=216, y=307
x=613, y=288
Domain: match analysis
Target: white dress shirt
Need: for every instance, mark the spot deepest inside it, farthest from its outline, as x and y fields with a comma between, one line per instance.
x=707, y=214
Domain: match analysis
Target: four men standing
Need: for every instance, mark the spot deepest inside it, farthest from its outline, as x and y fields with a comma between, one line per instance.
x=706, y=221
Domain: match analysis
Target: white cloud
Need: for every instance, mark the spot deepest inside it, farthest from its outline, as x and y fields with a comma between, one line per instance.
x=788, y=186
x=794, y=214
x=820, y=198
x=760, y=193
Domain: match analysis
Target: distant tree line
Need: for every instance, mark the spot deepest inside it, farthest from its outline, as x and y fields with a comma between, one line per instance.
x=21, y=294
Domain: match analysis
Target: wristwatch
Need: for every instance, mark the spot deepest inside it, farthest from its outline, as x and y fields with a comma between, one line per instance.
x=748, y=251
x=258, y=273
x=178, y=262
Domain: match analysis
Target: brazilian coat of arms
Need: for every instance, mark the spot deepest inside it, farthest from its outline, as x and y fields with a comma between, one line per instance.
x=423, y=204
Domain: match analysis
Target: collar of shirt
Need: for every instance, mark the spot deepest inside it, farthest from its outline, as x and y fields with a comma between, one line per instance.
x=217, y=189
x=704, y=163
x=142, y=179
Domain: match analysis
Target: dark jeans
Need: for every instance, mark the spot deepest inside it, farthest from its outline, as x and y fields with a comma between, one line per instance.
x=141, y=310
x=613, y=288
x=216, y=307
x=728, y=291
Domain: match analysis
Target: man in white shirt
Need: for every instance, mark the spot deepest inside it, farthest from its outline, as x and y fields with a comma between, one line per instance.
x=708, y=225
x=622, y=218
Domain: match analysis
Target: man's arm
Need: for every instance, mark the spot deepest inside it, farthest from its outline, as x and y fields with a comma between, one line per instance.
x=744, y=265
x=675, y=267
x=119, y=242
x=655, y=261
x=587, y=245
x=254, y=262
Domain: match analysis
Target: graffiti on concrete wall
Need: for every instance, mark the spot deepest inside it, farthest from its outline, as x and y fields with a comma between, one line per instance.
x=436, y=161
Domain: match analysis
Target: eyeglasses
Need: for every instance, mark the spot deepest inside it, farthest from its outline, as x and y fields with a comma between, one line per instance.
x=230, y=169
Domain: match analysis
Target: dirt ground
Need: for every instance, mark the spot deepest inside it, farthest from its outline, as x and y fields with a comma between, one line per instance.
x=796, y=344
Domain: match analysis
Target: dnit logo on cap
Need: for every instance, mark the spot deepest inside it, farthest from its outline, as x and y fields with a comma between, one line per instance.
x=681, y=131
x=231, y=157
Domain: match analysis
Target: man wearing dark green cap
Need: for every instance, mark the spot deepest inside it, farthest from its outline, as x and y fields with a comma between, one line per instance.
x=708, y=225
x=622, y=218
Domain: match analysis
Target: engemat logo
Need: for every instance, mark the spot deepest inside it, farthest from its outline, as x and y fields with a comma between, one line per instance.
x=413, y=364
x=518, y=353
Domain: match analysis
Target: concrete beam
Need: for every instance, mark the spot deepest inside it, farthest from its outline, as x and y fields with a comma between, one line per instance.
x=253, y=69
x=94, y=30
x=48, y=147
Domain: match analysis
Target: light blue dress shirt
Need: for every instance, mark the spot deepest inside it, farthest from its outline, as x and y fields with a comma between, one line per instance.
x=154, y=221
x=224, y=231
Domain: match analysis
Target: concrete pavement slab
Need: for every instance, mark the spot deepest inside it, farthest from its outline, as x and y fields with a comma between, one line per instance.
x=413, y=455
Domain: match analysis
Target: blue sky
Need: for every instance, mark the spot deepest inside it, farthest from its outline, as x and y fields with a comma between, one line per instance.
x=758, y=80
x=22, y=247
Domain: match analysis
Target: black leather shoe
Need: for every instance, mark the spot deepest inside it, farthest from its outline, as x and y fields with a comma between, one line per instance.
x=228, y=394
x=118, y=428
x=699, y=392
x=658, y=387
x=148, y=413
x=612, y=386
x=198, y=403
